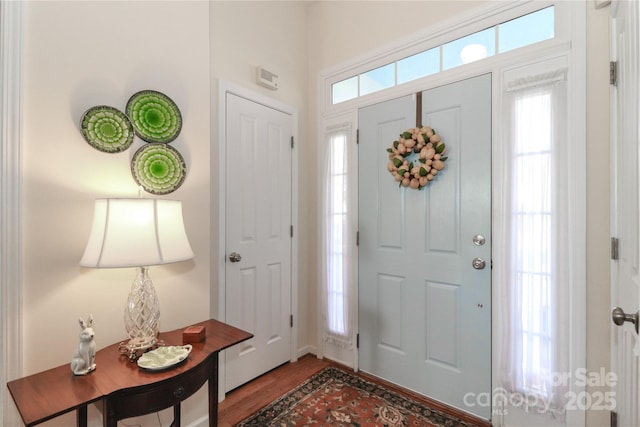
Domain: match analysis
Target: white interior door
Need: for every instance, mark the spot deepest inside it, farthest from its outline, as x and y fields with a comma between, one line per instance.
x=424, y=310
x=625, y=357
x=258, y=236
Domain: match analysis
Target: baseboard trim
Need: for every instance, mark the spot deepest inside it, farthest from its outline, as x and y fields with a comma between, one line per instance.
x=200, y=422
x=308, y=349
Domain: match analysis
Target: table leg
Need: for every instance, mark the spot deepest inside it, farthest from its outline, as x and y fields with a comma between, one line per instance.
x=176, y=415
x=81, y=416
x=213, y=392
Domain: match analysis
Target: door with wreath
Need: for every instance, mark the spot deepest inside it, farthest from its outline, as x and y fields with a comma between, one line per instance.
x=425, y=247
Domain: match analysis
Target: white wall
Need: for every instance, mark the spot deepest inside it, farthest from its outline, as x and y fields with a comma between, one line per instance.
x=340, y=31
x=271, y=34
x=87, y=53
x=78, y=55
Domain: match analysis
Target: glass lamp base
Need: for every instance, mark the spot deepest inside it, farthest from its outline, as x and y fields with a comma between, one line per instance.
x=142, y=314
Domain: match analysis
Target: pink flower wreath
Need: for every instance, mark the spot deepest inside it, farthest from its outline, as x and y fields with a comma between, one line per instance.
x=411, y=172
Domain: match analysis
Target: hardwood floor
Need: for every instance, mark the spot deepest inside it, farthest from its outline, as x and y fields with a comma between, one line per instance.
x=249, y=398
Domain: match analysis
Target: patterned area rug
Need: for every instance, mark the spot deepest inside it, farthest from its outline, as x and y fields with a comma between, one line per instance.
x=334, y=397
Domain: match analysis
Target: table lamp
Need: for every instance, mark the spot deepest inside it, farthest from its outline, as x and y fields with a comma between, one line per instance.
x=137, y=233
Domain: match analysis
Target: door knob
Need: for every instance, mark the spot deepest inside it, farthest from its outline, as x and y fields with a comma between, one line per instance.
x=619, y=317
x=478, y=263
x=234, y=257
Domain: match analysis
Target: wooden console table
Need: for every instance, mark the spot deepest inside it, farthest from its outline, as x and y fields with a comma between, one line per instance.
x=122, y=388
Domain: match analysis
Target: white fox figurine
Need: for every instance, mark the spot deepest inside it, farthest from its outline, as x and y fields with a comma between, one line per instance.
x=84, y=358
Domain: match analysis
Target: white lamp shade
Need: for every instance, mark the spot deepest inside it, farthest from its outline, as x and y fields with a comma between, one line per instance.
x=135, y=233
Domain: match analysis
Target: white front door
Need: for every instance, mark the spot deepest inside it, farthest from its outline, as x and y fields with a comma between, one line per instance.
x=424, y=310
x=625, y=214
x=258, y=236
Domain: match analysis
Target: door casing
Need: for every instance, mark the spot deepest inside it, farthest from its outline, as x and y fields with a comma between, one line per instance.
x=625, y=186
x=218, y=252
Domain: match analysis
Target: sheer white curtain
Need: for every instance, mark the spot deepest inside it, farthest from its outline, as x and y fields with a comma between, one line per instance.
x=534, y=269
x=338, y=238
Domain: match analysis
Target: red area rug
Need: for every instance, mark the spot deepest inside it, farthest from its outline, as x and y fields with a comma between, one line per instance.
x=334, y=397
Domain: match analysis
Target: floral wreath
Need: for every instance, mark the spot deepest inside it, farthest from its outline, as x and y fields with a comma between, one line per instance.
x=430, y=149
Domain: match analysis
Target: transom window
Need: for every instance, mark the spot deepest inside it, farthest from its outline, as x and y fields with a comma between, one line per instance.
x=523, y=31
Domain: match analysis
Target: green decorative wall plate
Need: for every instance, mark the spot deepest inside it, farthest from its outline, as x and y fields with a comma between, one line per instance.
x=155, y=117
x=107, y=129
x=158, y=168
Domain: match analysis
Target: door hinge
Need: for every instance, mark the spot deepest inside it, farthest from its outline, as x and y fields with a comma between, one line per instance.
x=292, y=143
x=357, y=238
x=291, y=320
x=614, y=248
x=357, y=136
x=614, y=419
x=357, y=340
x=613, y=73
x=291, y=230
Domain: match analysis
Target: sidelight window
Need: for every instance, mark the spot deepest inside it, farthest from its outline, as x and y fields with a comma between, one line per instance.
x=534, y=305
x=338, y=237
